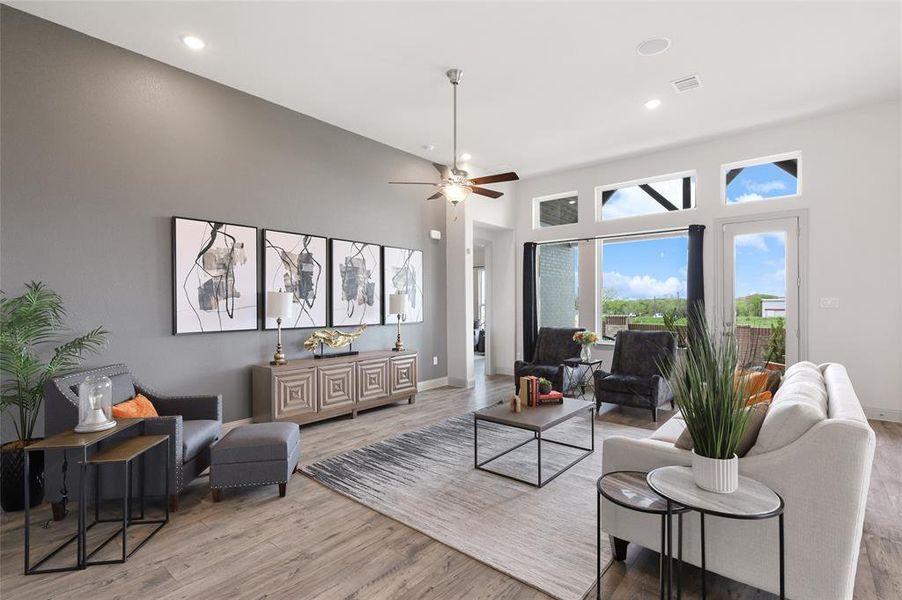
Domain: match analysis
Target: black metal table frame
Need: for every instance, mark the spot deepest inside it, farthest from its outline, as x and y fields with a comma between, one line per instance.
x=778, y=512
x=127, y=506
x=537, y=437
x=588, y=373
x=664, y=561
x=80, y=535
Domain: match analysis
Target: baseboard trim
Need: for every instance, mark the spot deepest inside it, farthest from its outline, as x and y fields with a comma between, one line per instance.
x=431, y=384
x=226, y=427
x=883, y=414
x=461, y=383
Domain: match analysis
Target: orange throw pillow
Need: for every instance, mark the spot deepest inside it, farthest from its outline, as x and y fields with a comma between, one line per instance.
x=760, y=397
x=137, y=407
x=752, y=383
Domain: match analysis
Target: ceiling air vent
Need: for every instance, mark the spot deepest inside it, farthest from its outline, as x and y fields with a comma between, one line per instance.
x=684, y=84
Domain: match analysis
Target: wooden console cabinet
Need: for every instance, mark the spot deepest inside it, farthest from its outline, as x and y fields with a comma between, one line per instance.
x=309, y=389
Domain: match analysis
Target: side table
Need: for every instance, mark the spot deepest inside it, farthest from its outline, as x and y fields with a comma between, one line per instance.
x=751, y=501
x=585, y=373
x=630, y=489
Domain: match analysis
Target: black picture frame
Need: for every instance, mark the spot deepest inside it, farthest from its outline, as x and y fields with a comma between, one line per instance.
x=179, y=283
x=335, y=300
x=325, y=278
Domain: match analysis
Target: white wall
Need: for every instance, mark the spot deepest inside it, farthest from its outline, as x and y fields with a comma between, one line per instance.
x=501, y=297
x=851, y=188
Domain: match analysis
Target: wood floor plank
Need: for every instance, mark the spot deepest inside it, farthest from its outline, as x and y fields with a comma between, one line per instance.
x=315, y=543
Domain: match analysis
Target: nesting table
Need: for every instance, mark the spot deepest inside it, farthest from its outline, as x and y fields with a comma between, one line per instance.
x=123, y=453
x=751, y=501
x=585, y=373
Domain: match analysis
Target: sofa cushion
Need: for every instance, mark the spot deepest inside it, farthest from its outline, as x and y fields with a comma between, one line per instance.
x=799, y=404
x=669, y=431
x=197, y=434
x=749, y=436
x=257, y=442
x=626, y=384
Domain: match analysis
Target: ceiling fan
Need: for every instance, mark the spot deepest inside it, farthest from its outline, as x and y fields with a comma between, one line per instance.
x=456, y=184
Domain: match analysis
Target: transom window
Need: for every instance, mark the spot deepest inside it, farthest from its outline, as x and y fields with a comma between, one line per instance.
x=663, y=194
x=560, y=209
x=762, y=179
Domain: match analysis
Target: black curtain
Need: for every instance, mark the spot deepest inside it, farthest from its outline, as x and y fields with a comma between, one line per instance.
x=695, y=280
x=530, y=317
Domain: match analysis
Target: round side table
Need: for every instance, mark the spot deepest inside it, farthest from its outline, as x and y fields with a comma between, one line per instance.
x=630, y=490
x=751, y=501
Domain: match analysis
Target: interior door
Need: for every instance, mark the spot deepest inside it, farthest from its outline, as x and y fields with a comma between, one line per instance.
x=762, y=288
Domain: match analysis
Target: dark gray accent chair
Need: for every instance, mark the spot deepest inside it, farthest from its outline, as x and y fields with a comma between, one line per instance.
x=193, y=424
x=554, y=345
x=635, y=378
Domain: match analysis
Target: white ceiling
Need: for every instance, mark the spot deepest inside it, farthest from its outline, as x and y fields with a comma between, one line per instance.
x=545, y=86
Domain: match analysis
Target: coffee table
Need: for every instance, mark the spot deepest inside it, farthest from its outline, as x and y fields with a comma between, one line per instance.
x=538, y=420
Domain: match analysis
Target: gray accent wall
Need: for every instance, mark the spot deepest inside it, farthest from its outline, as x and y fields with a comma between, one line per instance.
x=102, y=146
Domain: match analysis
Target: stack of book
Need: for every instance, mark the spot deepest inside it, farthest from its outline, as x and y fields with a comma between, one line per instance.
x=530, y=396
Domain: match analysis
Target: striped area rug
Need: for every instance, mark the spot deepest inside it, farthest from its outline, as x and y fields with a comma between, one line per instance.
x=425, y=479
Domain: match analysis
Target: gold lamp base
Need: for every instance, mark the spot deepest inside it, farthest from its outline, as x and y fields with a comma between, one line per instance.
x=399, y=345
x=279, y=357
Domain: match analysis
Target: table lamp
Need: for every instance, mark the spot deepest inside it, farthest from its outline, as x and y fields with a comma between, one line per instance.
x=397, y=304
x=279, y=306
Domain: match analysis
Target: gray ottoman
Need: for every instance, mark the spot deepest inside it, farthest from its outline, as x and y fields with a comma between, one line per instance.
x=257, y=454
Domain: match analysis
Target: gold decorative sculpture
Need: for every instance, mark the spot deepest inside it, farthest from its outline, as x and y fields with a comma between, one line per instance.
x=333, y=338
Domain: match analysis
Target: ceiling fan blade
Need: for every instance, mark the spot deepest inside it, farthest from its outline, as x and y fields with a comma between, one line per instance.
x=434, y=196
x=495, y=178
x=412, y=183
x=487, y=192
x=443, y=170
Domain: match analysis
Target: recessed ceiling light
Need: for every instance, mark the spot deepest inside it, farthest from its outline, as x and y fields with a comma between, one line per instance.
x=465, y=156
x=653, y=46
x=428, y=147
x=193, y=42
x=653, y=104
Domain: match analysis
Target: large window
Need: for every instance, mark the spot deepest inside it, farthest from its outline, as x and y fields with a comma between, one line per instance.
x=643, y=284
x=762, y=179
x=560, y=209
x=646, y=197
x=557, y=284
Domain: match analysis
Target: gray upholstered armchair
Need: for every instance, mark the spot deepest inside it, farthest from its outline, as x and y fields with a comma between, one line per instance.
x=635, y=378
x=193, y=424
x=554, y=345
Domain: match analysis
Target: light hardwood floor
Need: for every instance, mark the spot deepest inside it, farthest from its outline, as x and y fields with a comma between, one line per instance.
x=317, y=544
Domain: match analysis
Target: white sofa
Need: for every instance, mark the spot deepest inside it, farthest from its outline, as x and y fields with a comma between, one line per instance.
x=815, y=448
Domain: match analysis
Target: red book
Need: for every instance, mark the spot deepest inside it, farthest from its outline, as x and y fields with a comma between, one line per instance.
x=551, y=398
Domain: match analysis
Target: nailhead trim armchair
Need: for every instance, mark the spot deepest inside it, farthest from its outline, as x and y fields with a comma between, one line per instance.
x=554, y=345
x=193, y=423
x=635, y=378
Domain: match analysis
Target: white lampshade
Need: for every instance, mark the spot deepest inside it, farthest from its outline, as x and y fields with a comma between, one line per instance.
x=279, y=305
x=397, y=304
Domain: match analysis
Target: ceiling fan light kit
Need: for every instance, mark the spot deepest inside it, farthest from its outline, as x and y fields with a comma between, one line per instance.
x=456, y=184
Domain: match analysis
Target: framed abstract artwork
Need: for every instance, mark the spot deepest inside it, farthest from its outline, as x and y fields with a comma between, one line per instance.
x=403, y=274
x=214, y=268
x=296, y=263
x=356, y=283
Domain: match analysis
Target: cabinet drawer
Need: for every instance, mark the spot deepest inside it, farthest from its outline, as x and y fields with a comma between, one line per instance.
x=294, y=392
x=335, y=384
x=372, y=380
x=403, y=377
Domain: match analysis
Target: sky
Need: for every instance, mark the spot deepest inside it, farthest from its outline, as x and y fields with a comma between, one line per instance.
x=646, y=268
x=760, y=264
x=633, y=201
x=759, y=182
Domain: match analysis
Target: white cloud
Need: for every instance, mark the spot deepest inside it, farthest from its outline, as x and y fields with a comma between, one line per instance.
x=763, y=187
x=747, y=198
x=644, y=286
x=758, y=241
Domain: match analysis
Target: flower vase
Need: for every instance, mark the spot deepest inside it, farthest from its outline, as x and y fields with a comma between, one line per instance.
x=586, y=353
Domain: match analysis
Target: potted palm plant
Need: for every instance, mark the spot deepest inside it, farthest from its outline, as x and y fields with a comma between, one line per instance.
x=712, y=400
x=34, y=346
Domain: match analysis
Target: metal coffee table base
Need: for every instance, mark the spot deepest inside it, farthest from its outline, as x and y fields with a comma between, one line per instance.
x=538, y=439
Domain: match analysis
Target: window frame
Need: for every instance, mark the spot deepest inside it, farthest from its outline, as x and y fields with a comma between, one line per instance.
x=536, y=226
x=763, y=160
x=599, y=270
x=600, y=189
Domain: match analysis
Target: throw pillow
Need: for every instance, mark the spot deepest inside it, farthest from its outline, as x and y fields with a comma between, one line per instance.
x=764, y=396
x=749, y=437
x=137, y=407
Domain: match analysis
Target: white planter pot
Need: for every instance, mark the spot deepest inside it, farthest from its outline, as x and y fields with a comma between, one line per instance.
x=719, y=475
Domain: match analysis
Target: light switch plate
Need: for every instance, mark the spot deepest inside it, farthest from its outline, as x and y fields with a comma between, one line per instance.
x=435, y=360
x=829, y=302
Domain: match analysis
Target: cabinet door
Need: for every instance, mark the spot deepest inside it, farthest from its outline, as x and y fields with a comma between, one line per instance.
x=372, y=379
x=404, y=375
x=336, y=385
x=294, y=392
